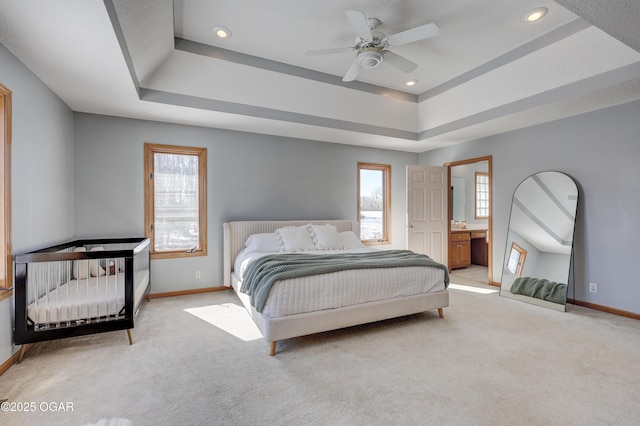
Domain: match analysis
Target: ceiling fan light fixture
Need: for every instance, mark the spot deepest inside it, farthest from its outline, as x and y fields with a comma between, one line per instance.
x=222, y=32
x=370, y=59
x=534, y=14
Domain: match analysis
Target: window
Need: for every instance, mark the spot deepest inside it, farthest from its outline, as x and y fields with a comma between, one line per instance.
x=6, y=278
x=374, y=202
x=482, y=195
x=517, y=256
x=176, y=199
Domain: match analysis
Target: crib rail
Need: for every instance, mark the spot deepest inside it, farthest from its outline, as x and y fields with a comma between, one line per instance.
x=63, y=292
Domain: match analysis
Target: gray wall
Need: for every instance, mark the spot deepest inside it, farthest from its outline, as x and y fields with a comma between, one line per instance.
x=555, y=266
x=250, y=177
x=600, y=150
x=42, y=175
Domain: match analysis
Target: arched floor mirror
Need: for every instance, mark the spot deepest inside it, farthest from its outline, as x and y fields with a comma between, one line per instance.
x=539, y=246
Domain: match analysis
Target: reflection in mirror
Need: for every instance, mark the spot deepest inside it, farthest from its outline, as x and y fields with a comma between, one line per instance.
x=540, y=240
x=457, y=198
x=515, y=262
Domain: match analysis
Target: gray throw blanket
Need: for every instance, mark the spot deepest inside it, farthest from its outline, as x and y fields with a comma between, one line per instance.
x=540, y=288
x=262, y=273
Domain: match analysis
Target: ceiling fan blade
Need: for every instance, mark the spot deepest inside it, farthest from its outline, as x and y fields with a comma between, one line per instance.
x=352, y=72
x=414, y=34
x=329, y=51
x=359, y=24
x=399, y=62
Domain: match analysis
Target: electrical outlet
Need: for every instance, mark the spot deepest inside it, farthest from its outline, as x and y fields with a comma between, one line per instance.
x=197, y=275
x=593, y=287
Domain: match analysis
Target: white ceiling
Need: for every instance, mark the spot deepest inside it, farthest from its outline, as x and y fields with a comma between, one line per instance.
x=487, y=72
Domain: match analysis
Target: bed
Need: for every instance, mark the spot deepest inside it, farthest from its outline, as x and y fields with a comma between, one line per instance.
x=80, y=287
x=305, y=305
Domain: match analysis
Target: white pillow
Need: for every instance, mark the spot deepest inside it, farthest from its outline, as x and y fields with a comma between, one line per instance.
x=349, y=240
x=266, y=243
x=325, y=237
x=296, y=238
x=80, y=266
x=94, y=265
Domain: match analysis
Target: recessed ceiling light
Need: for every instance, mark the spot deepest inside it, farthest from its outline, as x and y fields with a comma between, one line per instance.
x=222, y=32
x=411, y=82
x=534, y=14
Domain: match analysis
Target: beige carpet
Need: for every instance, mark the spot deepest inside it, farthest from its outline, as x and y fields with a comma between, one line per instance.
x=472, y=274
x=197, y=360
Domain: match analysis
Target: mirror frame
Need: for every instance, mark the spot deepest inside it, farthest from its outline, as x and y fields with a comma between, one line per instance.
x=510, y=243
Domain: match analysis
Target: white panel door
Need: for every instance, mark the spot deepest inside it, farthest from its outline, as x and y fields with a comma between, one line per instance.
x=427, y=211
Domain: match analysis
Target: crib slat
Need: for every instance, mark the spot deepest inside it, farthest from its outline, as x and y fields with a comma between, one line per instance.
x=51, y=275
x=67, y=280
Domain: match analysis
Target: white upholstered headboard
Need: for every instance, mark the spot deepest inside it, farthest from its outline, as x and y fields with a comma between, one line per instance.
x=236, y=233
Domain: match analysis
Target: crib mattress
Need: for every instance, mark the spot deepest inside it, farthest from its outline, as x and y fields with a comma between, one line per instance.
x=86, y=298
x=345, y=288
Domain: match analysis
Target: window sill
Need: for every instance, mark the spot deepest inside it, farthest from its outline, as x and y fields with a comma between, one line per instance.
x=375, y=242
x=177, y=254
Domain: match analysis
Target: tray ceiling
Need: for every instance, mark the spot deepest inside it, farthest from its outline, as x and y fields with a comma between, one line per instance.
x=487, y=71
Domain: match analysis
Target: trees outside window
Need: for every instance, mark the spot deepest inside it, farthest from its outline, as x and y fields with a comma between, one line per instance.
x=374, y=202
x=175, y=193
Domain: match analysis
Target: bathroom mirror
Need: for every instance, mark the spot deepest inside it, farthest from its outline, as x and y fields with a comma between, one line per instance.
x=540, y=240
x=458, y=198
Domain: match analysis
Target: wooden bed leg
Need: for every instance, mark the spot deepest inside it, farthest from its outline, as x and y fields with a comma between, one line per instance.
x=440, y=312
x=129, y=335
x=22, y=349
x=272, y=348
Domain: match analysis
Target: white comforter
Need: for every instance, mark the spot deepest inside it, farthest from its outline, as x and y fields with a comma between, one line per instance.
x=338, y=289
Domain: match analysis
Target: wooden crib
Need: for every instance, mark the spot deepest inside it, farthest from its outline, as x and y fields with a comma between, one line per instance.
x=80, y=287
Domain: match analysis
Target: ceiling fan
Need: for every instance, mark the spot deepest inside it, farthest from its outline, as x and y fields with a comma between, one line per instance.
x=371, y=45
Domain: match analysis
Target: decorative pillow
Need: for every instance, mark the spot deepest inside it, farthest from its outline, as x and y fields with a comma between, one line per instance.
x=349, y=240
x=296, y=238
x=94, y=265
x=80, y=266
x=325, y=237
x=266, y=243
